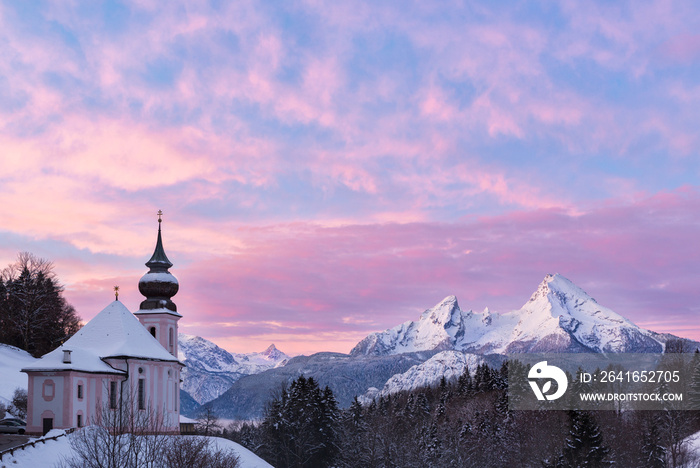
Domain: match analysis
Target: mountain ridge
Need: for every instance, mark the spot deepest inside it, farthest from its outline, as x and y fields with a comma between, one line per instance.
x=558, y=317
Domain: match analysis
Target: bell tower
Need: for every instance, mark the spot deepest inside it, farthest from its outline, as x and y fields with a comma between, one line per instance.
x=158, y=313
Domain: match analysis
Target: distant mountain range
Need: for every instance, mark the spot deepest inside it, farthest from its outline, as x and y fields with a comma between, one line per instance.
x=212, y=370
x=558, y=317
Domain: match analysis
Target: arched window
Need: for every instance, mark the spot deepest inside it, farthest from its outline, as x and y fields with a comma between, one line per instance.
x=170, y=339
x=153, y=331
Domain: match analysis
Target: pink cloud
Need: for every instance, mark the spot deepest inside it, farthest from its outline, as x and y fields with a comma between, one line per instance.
x=682, y=48
x=289, y=282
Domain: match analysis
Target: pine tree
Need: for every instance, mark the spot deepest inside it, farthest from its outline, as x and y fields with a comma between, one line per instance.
x=584, y=446
x=694, y=392
x=464, y=382
x=34, y=316
x=299, y=427
x=653, y=452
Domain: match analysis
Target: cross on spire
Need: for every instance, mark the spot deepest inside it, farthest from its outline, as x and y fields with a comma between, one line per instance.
x=116, y=293
x=160, y=214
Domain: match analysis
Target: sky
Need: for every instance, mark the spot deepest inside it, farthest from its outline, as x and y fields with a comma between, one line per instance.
x=331, y=169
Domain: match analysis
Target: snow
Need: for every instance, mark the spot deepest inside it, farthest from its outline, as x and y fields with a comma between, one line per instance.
x=113, y=332
x=212, y=370
x=161, y=277
x=559, y=316
x=53, y=451
x=448, y=364
x=160, y=310
x=692, y=446
x=46, y=454
x=11, y=361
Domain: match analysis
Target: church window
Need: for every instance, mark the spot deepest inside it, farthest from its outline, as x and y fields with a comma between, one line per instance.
x=142, y=396
x=80, y=392
x=153, y=331
x=80, y=420
x=113, y=395
x=170, y=339
x=48, y=390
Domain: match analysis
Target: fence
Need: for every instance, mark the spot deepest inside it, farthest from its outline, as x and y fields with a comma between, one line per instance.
x=32, y=443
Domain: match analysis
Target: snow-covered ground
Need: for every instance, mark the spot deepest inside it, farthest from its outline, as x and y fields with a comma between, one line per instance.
x=11, y=361
x=54, y=451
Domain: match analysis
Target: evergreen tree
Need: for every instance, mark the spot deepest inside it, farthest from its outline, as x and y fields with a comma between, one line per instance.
x=653, y=452
x=584, y=446
x=694, y=392
x=464, y=382
x=34, y=316
x=299, y=427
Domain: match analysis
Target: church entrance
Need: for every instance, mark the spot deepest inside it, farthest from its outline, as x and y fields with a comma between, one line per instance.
x=48, y=425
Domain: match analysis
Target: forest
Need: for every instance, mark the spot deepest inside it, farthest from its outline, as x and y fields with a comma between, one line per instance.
x=462, y=423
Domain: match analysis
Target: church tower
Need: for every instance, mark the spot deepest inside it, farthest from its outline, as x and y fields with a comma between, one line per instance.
x=158, y=313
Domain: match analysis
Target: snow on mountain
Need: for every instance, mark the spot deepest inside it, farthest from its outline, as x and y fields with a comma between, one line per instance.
x=212, y=370
x=11, y=361
x=448, y=364
x=254, y=363
x=559, y=316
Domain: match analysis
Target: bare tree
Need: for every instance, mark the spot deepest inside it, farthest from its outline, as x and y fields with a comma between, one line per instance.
x=18, y=405
x=130, y=438
x=208, y=422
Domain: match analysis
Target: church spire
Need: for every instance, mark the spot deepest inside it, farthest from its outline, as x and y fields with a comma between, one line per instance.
x=159, y=259
x=158, y=285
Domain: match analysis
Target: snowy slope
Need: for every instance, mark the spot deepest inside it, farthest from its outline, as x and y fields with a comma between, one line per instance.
x=53, y=452
x=448, y=364
x=559, y=316
x=212, y=370
x=11, y=361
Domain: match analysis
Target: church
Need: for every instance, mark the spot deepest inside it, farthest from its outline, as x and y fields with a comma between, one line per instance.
x=117, y=363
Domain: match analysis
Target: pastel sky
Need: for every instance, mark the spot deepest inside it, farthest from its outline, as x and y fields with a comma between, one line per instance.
x=330, y=169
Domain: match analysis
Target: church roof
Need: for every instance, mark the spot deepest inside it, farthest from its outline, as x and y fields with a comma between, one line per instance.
x=114, y=332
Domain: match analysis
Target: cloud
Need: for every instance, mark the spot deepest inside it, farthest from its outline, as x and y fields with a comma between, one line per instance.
x=296, y=280
x=350, y=155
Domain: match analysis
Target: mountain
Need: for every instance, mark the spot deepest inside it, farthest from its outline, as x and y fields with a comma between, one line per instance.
x=212, y=370
x=447, y=364
x=559, y=317
x=346, y=375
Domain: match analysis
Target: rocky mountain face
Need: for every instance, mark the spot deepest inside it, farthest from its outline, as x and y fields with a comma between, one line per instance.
x=346, y=375
x=212, y=370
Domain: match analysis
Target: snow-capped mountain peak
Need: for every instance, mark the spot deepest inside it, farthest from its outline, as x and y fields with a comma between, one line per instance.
x=212, y=370
x=559, y=316
x=274, y=354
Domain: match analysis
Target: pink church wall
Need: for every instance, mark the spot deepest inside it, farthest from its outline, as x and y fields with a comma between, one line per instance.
x=163, y=324
x=63, y=405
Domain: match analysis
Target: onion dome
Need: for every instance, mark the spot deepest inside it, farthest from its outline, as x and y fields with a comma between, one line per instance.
x=158, y=285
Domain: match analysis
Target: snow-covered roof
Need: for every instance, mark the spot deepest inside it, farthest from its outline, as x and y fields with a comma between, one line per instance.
x=81, y=360
x=114, y=332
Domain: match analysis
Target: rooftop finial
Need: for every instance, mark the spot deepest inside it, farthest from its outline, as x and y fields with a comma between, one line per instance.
x=160, y=214
x=116, y=293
